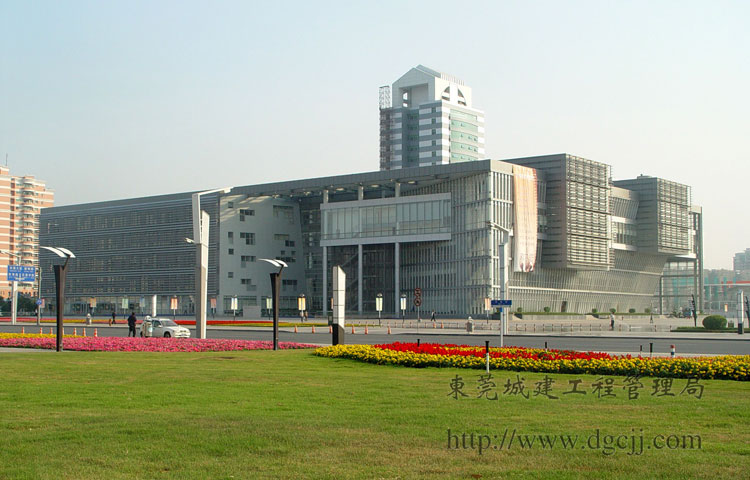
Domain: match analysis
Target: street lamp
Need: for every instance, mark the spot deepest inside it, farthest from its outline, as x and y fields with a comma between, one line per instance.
x=275, y=291
x=379, y=305
x=302, y=306
x=403, y=308
x=60, y=271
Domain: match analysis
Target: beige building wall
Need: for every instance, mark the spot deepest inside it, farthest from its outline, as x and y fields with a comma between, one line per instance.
x=21, y=201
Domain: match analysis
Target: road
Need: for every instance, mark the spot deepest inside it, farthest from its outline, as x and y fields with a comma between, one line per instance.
x=612, y=343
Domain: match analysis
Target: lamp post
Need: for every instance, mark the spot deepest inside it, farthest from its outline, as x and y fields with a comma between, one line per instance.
x=275, y=291
x=403, y=308
x=60, y=271
x=302, y=306
x=379, y=305
x=201, y=221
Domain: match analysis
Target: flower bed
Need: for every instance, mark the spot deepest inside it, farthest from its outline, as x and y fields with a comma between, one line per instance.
x=129, y=344
x=537, y=360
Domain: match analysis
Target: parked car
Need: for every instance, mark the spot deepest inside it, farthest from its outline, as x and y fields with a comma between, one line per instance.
x=163, y=327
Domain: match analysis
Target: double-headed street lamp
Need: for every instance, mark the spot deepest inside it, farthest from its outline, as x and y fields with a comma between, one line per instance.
x=275, y=291
x=60, y=271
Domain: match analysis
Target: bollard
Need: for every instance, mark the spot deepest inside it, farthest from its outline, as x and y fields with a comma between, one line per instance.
x=651, y=349
x=417, y=343
x=295, y=329
x=352, y=329
x=330, y=329
x=441, y=325
x=672, y=353
x=23, y=330
x=313, y=329
x=50, y=330
x=366, y=332
x=389, y=328
x=40, y=330
x=433, y=325
x=96, y=333
x=75, y=332
x=487, y=355
x=84, y=331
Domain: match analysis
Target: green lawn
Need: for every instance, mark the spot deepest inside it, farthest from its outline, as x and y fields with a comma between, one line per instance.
x=290, y=414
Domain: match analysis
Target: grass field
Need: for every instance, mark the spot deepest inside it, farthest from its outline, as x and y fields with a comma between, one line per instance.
x=290, y=414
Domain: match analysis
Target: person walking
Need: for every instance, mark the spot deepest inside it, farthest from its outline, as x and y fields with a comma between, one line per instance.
x=611, y=321
x=433, y=315
x=131, y=324
x=113, y=320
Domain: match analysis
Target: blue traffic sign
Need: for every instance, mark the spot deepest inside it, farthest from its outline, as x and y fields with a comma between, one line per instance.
x=39, y=301
x=21, y=273
x=501, y=303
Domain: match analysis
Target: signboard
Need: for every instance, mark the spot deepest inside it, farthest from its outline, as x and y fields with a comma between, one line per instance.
x=21, y=273
x=417, y=297
x=213, y=302
x=487, y=304
x=501, y=303
x=125, y=303
x=526, y=222
x=173, y=303
x=233, y=304
x=92, y=302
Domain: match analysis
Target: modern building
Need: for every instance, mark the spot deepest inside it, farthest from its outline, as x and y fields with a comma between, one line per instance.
x=427, y=118
x=21, y=200
x=742, y=263
x=551, y=231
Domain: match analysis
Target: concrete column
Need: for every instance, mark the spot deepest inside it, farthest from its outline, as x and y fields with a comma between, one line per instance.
x=360, y=193
x=397, y=275
x=397, y=191
x=325, y=280
x=359, y=278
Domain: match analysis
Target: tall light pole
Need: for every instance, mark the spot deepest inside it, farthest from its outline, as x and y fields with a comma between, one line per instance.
x=201, y=221
x=60, y=271
x=275, y=291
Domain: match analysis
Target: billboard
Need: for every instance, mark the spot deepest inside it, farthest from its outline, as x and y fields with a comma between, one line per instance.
x=526, y=218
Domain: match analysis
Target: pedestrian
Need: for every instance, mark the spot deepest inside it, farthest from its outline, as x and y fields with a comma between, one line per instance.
x=611, y=321
x=113, y=320
x=131, y=324
x=305, y=315
x=433, y=315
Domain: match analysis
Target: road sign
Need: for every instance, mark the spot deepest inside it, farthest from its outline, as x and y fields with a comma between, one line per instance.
x=417, y=302
x=39, y=302
x=501, y=303
x=21, y=273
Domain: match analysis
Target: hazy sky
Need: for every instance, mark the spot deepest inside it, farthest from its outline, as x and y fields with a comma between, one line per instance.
x=108, y=100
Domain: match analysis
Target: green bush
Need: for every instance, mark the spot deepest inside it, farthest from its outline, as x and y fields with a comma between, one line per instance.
x=714, y=322
x=519, y=309
x=632, y=310
x=546, y=309
x=594, y=311
x=647, y=311
x=612, y=310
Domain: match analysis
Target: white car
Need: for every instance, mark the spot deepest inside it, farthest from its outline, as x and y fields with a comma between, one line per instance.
x=163, y=327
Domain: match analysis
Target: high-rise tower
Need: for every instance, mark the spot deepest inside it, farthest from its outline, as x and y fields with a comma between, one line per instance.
x=427, y=119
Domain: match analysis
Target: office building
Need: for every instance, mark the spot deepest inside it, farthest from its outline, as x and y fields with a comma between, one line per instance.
x=21, y=199
x=551, y=231
x=427, y=118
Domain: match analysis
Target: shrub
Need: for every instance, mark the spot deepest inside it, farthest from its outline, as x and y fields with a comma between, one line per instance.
x=647, y=310
x=612, y=310
x=714, y=322
x=594, y=311
x=546, y=309
x=519, y=309
x=632, y=310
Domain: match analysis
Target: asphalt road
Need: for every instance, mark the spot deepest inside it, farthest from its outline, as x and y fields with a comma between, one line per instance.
x=627, y=344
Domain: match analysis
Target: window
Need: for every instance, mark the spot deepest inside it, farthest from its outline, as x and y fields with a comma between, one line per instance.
x=231, y=251
x=230, y=274
x=245, y=259
x=230, y=237
x=249, y=238
x=230, y=204
x=284, y=211
x=289, y=243
x=244, y=212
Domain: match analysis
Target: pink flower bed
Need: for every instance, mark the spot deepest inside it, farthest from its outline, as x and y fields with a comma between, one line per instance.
x=129, y=344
